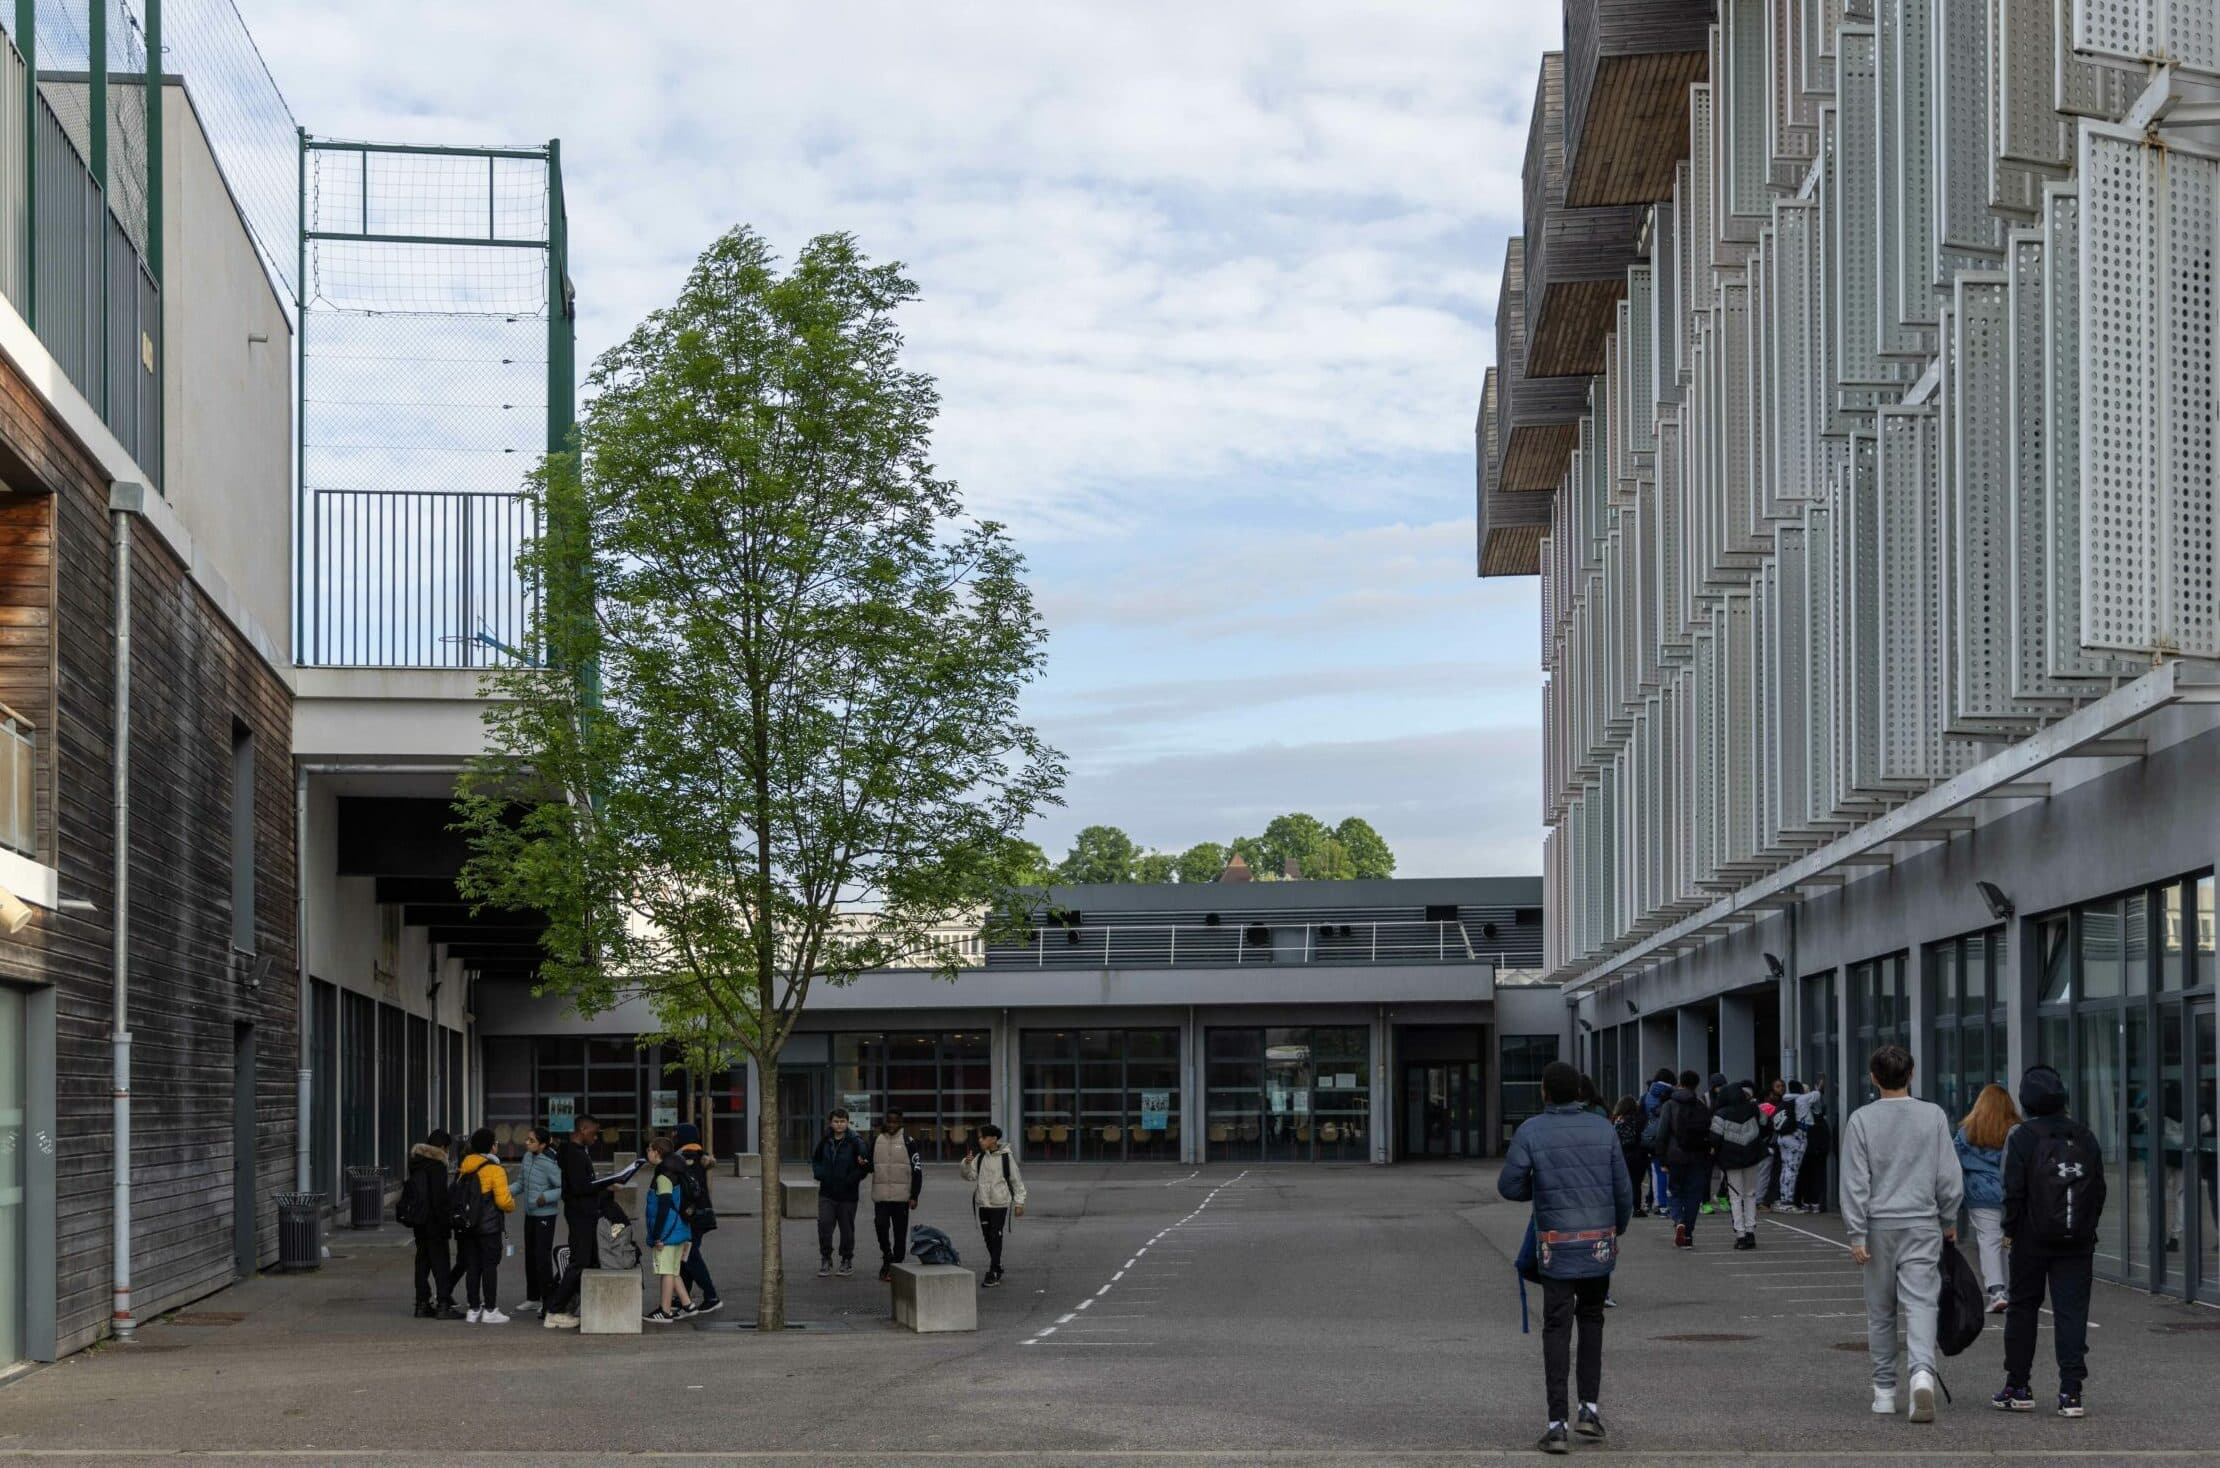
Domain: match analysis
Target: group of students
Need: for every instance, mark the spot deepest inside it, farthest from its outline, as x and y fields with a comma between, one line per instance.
x=1724, y=1147
x=460, y=1220
x=2032, y=1192
x=894, y=1167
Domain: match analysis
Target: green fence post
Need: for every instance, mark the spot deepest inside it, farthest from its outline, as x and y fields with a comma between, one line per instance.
x=154, y=147
x=27, y=42
x=96, y=25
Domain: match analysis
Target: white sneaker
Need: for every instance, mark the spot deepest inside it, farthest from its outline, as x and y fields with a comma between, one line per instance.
x=1884, y=1401
x=471, y=1315
x=531, y=1307
x=559, y=1321
x=1923, y=1396
x=492, y=1317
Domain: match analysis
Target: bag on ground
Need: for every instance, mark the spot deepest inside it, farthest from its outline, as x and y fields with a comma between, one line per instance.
x=618, y=1249
x=931, y=1246
x=1961, y=1313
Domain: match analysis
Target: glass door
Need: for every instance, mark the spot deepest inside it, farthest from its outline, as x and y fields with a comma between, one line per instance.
x=1441, y=1109
x=802, y=1108
x=2201, y=1240
x=1287, y=1097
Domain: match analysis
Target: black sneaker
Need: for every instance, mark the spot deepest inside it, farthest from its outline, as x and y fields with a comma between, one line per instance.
x=2069, y=1405
x=1590, y=1425
x=709, y=1307
x=448, y=1312
x=886, y=1274
x=824, y=1269
x=2013, y=1399
x=424, y=1311
x=1555, y=1440
x=994, y=1277
x=660, y=1317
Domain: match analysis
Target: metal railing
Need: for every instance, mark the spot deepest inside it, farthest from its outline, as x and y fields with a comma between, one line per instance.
x=19, y=810
x=415, y=578
x=1238, y=945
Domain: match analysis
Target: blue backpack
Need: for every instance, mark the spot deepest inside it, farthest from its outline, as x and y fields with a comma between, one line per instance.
x=930, y=1246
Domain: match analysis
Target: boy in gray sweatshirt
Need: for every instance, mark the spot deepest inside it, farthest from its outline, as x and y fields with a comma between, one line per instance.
x=1901, y=1192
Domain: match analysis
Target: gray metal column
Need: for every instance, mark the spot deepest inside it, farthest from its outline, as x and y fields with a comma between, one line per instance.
x=1192, y=1113
x=1660, y=1047
x=1916, y=999
x=1383, y=1088
x=1738, y=1036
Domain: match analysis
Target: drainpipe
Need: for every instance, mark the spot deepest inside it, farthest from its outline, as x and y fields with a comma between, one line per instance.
x=304, y=1078
x=120, y=1129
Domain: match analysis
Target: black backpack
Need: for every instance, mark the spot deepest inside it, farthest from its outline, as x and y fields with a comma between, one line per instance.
x=412, y=1209
x=1961, y=1312
x=2062, y=1182
x=470, y=1208
x=1692, y=1126
x=692, y=1186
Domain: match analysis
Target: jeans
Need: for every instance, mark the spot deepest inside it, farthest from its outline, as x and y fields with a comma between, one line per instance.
x=840, y=1214
x=1743, y=1184
x=585, y=1254
x=891, y=1222
x=992, y=1221
x=1987, y=1225
x=693, y=1272
x=1690, y=1179
x=435, y=1275
x=1661, y=1189
x=481, y=1269
x=539, y=1257
x=1903, y=1277
x=1563, y=1301
x=2067, y=1276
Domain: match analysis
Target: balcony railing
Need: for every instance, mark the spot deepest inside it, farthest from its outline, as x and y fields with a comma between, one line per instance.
x=1254, y=945
x=402, y=578
x=19, y=822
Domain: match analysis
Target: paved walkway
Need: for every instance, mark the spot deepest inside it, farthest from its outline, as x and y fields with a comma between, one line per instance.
x=1337, y=1314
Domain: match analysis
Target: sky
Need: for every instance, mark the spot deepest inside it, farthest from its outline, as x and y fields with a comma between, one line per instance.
x=1209, y=293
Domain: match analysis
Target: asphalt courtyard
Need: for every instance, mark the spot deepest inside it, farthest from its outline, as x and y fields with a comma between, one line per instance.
x=1162, y=1315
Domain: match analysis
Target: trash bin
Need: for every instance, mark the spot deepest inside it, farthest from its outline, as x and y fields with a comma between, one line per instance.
x=300, y=1232
x=365, y=1196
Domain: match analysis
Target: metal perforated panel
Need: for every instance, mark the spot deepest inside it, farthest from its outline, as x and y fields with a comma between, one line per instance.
x=2026, y=126
x=1855, y=220
x=1637, y=336
x=1672, y=578
x=2027, y=398
x=1765, y=616
x=1795, y=325
x=2084, y=88
x=1790, y=109
x=2184, y=32
x=1819, y=656
x=1791, y=646
x=1742, y=118
x=1967, y=234
x=1738, y=431
x=1737, y=712
x=1705, y=682
x=1905, y=472
x=1700, y=223
x=1864, y=601
x=1907, y=121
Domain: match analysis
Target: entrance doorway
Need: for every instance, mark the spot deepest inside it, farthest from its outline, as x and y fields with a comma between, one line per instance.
x=802, y=1108
x=2189, y=1214
x=1441, y=1108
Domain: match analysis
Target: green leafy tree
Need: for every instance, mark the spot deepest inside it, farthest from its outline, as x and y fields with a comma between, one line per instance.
x=1202, y=862
x=1262, y=864
x=1155, y=866
x=782, y=675
x=1098, y=854
x=1368, y=852
x=1328, y=861
x=1291, y=837
x=1026, y=865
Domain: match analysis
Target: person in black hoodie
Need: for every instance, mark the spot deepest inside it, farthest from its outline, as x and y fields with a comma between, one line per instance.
x=584, y=1200
x=1739, y=1143
x=424, y=1208
x=1686, y=1134
x=2053, y=1198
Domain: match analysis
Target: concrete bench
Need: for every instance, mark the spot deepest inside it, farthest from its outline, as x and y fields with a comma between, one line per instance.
x=929, y=1298
x=798, y=1197
x=609, y=1302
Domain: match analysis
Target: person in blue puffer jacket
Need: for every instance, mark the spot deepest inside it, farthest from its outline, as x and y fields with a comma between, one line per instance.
x=1566, y=1162
x=1980, y=1142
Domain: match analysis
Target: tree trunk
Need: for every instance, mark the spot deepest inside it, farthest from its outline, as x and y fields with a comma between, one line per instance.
x=770, y=1312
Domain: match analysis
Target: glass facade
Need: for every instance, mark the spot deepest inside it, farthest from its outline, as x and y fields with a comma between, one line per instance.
x=2125, y=1013
x=1288, y=1095
x=943, y=1083
x=1520, y=1075
x=1879, y=1015
x=1966, y=989
x=1100, y=1095
x=538, y=1081
x=1822, y=1043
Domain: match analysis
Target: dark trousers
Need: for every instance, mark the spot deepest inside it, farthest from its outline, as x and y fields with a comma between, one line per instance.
x=837, y=1213
x=539, y=1258
x=992, y=1221
x=1637, y=1163
x=1691, y=1181
x=891, y=1222
x=1811, y=1182
x=1564, y=1301
x=435, y=1274
x=585, y=1254
x=2067, y=1277
x=693, y=1272
x=481, y=1269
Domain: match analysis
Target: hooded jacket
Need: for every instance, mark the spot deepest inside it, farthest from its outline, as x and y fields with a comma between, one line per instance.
x=2043, y=1102
x=428, y=1170
x=664, y=1226
x=695, y=1160
x=493, y=1181
x=1657, y=1095
x=995, y=1179
x=1737, y=1130
x=539, y=1183
x=1676, y=1154
x=1567, y=1163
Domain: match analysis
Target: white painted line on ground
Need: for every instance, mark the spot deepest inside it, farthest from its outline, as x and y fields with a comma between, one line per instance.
x=1845, y=1248
x=1175, y=1182
x=1041, y=1337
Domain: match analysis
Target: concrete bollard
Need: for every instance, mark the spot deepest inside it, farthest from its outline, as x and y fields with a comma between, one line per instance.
x=609, y=1302
x=798, y=1197
x=931, y=1298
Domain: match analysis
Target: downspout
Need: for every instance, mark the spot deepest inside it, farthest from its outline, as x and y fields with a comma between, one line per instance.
x=120, y=1128
x=304, y=1079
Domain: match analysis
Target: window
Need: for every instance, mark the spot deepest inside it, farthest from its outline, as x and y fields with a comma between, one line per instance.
x=1289, y=1094
x=1879, y=1016
x=942, y=1082
x=1822, y=1046
x=1520, y=1072
x=323, y=1020
x=358, y=1089
x=393, y=1141
x=1967, y=990
x=1100, y=1095
x=242, y=837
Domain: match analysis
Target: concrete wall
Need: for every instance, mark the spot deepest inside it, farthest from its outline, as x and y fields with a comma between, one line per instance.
x=344, y=929
x=227, y=397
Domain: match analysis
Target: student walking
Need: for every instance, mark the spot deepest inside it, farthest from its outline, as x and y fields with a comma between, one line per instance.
x=479, y=1204
x=2053, y=1200
x=897, y=1170
x=1980, y=1143
x=1626, y=1122
x=840, y=1165
x=423, y=1210
x=1819, y=1143
x=539, y=1185
x=1654, y=1097
x=1685, y=1131
x=1568, y=1164
x=997, y=1194
x=699, y=1210
x=1901, y=1192
x=667, y=1233
x=1738, y=1141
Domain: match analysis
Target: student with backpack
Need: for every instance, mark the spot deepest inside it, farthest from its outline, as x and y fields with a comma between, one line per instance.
x=997, y=1194
x=1738, y=1141
x=1901, y=1192
x=539, y=1185
x=840, y=1165
x=1788, y=1137
x=2053, y=1199
x=1567, y=1163
x=699, y=1210
x=1684, y=1127
x=667, y=1234
x=478, y=1205
x=1654, y=1097
x=1626, y=1122
x=1980, y=1142
x=422, y=1209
